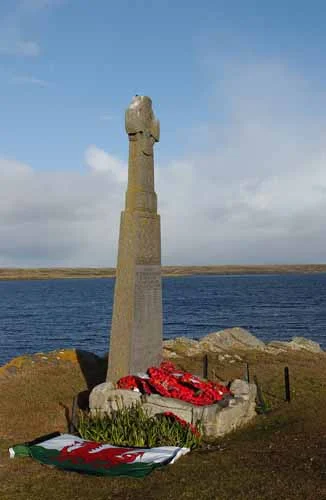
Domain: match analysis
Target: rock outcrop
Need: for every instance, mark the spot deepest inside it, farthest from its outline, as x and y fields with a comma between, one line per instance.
x=231, y=338
x=296, y=344
x=236, y=339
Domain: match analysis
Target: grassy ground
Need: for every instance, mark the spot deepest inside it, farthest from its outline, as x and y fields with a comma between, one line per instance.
x=109, y=272
x=282, y=455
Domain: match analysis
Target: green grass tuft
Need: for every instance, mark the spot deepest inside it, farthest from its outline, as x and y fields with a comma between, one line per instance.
x=134, y=427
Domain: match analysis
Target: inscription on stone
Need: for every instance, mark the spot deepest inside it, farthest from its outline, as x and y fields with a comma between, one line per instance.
x=148, y=279
x=148, y=311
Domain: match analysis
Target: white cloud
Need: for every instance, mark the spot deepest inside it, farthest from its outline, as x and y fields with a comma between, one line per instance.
x=100, y=161
x=257, y=194
x=13, y=28
x=29, y=80
x=56, y=217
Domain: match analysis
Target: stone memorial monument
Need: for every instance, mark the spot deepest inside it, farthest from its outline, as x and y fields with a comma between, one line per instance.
x=136, y=333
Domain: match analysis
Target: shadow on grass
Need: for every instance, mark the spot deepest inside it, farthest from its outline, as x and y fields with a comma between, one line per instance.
x=94, y=369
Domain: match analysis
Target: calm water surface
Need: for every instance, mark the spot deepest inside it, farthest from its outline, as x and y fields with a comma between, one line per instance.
x=46, y=315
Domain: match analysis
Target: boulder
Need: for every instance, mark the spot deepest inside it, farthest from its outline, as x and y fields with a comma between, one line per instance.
x=228, y=339
x=181, y=346
x=306, y=344
x=296, y=344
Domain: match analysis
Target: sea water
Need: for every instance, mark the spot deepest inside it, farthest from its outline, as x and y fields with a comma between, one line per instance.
x=76, y=313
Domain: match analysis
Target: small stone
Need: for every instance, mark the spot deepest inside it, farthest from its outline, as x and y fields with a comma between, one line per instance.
x=239, y=387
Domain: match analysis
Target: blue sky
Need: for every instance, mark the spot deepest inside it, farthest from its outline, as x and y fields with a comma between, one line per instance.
x=239, y=88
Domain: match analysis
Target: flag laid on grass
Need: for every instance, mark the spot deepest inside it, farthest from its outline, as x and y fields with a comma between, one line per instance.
x=74, y=453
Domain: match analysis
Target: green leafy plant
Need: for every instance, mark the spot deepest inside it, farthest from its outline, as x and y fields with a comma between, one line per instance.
x=134, y=427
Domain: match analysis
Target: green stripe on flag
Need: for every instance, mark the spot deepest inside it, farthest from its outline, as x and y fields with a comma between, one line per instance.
x=73, y=453
x=19, y=450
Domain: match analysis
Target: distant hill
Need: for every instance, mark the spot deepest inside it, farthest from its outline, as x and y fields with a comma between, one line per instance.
x=109, y=272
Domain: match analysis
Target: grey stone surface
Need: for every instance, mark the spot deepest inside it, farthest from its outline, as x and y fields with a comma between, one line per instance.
x=155, y=403
x=239, y=413
x=181, y=346
x=240, y=388
x=136, y=332
x=231, y=338
x=305, y=344
x=296, y=344
x=216, y=420
x=227, y=341
x=105, y=398
x=218, y=342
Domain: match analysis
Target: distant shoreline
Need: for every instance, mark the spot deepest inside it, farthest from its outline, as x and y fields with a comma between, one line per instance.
x=109, y=272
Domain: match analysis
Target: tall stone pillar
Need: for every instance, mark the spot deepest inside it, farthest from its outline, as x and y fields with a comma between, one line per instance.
x=136, y=333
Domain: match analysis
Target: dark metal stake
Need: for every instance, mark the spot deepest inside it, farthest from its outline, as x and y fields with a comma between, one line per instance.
x=261, y=405
x=287, y=384
x=72, y=420
x=247, y=373
x=205, y=366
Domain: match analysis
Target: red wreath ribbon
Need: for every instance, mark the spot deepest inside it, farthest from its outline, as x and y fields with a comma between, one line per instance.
x=172, y=383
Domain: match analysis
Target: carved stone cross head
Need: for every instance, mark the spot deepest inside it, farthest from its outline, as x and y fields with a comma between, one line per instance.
x=140, y=118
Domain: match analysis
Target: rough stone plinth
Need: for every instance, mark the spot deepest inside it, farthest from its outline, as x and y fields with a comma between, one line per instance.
x=104, y=398
x=136, y=333
x=217, y=419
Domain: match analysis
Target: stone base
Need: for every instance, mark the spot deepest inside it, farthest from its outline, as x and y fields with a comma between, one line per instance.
x=217, y=419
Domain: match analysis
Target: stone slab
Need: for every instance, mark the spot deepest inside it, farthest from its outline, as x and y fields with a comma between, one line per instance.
x=105, y=399
x=216, y=420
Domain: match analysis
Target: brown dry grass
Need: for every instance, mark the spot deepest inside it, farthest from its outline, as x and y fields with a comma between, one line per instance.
x=109, y=272
x=281, y=456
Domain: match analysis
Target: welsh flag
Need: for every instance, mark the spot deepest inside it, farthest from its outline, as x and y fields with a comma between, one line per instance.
x=74, y=453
